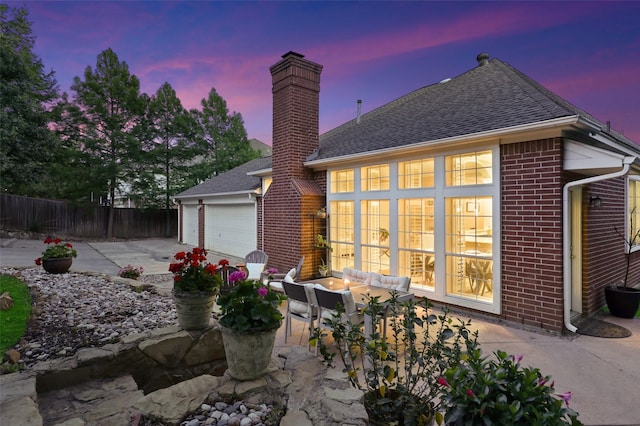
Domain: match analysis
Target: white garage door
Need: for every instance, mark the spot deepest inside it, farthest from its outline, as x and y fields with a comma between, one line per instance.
x=231, y=229
x=190, y=225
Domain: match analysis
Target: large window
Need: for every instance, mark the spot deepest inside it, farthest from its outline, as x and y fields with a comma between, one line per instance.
x=430, y=219
x=341, y=232
x=469, y=247
x=374, y=234
x=416, y=240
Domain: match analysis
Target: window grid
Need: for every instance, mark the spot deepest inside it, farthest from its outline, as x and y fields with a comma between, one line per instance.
x=341, y=233
x=374, y=220
x=375, y=178
x=416, y=174
x=342, y=181
x=469, y=168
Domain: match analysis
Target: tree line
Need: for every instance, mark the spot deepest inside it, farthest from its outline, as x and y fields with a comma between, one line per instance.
x=106, y=138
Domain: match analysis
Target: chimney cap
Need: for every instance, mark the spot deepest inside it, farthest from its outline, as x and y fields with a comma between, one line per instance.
x=292, y=53
x=482, y=58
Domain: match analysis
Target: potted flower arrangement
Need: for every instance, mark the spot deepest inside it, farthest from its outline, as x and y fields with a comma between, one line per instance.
x=323, y=269
x=249, y=319
x=195, y=286
x=622, y=300
x=57, y=257
x=131, y=272
x=321, y=242
x=498, y=390
x=398, y=375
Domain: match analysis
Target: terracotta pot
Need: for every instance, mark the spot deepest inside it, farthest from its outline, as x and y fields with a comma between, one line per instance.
x=57, y=265
x=194, y=309
x=623, y=302
x=248, y=354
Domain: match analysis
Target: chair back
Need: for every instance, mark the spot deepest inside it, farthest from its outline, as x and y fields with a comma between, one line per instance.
x=328, y=299
x=224, y=273
x=295, y=291
x=299, y=268
x=395, y=283
x=257, y=256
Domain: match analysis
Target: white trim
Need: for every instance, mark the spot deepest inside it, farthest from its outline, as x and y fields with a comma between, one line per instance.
x=471, y=137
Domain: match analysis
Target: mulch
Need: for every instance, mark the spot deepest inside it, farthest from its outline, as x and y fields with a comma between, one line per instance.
x=599, y=328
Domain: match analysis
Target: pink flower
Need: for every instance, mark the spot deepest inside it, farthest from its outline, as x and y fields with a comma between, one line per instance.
x=272, y=271
x=470, y=393
x=236, y=276
x=566, y=397
x=442, y=381
x=262, y=291
x=518, y=358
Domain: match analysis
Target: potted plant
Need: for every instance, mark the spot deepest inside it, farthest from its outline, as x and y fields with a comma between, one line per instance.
x=398, y=374
x=131, y=272
x=323, y=269
x=622, y=300
x=321, y=242
x=249, y=319
x=195, y=286
x=321, y=213
x=498, y=390
x=57, y=257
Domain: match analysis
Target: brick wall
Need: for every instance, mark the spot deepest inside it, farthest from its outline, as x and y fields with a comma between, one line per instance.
x=531, y=180
x=603, y=248
x=296, y=87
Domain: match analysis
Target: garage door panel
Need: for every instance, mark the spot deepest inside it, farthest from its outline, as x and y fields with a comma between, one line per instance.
x=231, y=229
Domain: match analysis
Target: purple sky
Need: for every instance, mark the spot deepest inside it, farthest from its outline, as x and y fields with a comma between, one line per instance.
x=587, y=52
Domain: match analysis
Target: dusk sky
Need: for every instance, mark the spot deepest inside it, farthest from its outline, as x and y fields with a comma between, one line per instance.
x=587, y=52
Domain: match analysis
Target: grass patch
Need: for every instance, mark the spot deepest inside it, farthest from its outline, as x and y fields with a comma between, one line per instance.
x=13, y=322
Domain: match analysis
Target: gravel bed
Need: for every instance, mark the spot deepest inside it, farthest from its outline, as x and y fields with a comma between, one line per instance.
x=73, y=311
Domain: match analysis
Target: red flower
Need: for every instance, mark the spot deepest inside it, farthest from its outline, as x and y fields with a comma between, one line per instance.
x=176, y=278
x=48, y=240
x=39, y=261
x=442, y=381
x=223, y=262
x=57, y=241
x=180, y=255
x=211, y=268
x=470, y=393
x=69, y=245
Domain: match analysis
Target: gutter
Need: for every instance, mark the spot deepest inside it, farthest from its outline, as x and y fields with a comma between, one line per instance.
x=566, y=227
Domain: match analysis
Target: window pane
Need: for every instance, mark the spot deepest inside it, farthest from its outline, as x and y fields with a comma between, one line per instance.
x=341, y=233
x=416, y=240
x=473, y=168
x=634, y=210
x=342, y=181
x=469, y=243
x=375, y=236
x=416, y=174
x=375, y=178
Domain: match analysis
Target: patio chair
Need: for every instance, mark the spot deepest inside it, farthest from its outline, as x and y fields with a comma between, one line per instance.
x=328, y=301
x=275, y=281
x=301, y=305
x=392, y=283
x=224, y=273
x=255, y=262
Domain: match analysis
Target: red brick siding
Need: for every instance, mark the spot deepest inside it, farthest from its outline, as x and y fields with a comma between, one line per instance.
x=201, y=227
x=531, y=187
x=287, y=217
x=603, y=250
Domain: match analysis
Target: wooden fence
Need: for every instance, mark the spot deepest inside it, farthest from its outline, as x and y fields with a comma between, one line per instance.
x=37, y=215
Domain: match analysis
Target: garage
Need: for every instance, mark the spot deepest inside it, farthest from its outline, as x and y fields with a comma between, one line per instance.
x=231, y=228
x=189, y=224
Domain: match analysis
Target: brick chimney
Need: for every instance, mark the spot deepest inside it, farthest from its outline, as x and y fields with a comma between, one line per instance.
x=294, y=194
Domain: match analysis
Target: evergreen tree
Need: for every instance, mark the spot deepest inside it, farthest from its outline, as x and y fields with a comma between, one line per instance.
x=222, y=139
x=112, y=111
x=26, y=143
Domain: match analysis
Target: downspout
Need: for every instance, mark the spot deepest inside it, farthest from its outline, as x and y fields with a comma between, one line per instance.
x=566, y=227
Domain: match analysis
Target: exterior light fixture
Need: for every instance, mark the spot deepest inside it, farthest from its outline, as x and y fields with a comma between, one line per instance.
x=595, y=201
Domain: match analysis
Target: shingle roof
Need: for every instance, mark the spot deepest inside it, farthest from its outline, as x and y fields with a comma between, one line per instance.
x=234, y=180
x=488, y=97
